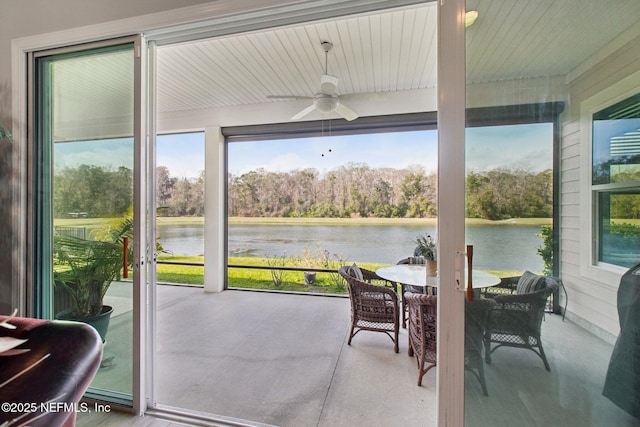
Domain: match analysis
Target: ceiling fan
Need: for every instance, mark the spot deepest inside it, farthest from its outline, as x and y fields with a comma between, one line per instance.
x=326, y=100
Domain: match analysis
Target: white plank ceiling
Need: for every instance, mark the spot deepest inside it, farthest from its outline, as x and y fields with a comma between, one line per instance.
x=385, y=62
x=382, y=52
x=388, y=51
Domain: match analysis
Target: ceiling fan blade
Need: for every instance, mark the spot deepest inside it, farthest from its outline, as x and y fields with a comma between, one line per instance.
x=328, y=84
x=346, y=112
x=288, y=97
x=304, y=112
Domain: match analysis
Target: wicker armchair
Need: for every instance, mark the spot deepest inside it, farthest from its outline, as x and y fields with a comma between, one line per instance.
x=475, y=321
x=373, y=278
x=373, y=308
x=516, y=319
x=407, y=288
x=509, y=285
x=422, y=331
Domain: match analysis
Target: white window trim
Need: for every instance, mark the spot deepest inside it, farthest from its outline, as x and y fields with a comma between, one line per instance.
x=589, y=269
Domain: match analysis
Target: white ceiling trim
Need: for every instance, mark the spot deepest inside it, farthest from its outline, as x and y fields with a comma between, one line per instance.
x=367, y=104
x=240, y=18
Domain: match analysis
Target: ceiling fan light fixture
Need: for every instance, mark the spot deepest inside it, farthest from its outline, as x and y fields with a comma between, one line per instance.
x=326, y=104
x=470, y=17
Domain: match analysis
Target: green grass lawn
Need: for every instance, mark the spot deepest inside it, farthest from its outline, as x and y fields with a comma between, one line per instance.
x=251, y=278
x=183, y=274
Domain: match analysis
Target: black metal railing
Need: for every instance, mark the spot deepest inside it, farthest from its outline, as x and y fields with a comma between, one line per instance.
x=79, y=232
x=255, y=267
x=261, y=267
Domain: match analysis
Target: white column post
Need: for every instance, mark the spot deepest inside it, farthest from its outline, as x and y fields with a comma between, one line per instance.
x=451, y=170
x=214, y=210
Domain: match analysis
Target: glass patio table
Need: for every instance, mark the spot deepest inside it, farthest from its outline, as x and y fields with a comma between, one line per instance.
x=416, y=275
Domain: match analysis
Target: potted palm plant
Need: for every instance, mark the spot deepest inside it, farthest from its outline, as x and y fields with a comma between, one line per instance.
x=426, y=246
x=85, y=269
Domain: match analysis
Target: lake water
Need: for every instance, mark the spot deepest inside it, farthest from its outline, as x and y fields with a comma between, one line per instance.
x=496, y=247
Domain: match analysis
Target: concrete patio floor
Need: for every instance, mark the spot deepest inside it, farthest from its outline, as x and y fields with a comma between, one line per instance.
x=282, y=359
x=275, y=359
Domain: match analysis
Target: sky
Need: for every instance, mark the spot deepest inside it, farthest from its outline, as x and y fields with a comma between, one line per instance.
x=398, y=150
x=107, y=153
x=527, y=146
x=521, y=146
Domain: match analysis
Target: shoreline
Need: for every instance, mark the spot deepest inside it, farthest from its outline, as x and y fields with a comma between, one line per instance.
x=89, y=222
x=356, y=221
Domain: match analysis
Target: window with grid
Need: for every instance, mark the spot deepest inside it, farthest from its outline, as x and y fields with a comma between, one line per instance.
x=616, y=182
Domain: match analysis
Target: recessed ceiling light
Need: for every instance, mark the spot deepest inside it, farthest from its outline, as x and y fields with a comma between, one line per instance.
x=470, y=17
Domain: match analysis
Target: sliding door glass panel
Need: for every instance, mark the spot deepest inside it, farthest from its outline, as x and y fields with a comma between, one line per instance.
x=509, y=178
x=84, y=204
x=309, y=194
x=532, y=69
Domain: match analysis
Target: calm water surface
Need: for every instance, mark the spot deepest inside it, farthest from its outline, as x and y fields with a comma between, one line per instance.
x=496, y=247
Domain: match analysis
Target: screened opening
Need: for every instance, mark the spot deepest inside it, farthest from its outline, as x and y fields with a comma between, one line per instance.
x=299, y=201
x=316, y=204
x=180, y=208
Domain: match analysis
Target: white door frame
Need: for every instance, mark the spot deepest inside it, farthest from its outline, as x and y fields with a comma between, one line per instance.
x=451, y=181
x=141, y=181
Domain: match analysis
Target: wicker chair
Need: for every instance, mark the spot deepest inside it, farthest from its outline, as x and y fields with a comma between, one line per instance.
x=516, y=320
x=372, y=277
x=373, y=308
x=475, y=321
x=508, y=286
x=422, y=331
x=407, y=288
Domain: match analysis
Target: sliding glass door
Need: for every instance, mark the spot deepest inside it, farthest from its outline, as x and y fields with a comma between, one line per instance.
x=85, y=167
x=552, y=143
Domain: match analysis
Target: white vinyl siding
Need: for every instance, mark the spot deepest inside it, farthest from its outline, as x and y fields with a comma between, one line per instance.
x=592, y=291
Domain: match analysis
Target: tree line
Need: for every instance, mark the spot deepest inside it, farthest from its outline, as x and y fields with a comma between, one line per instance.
x=509, y=193
x=350, y=190
x=100, y=192
x=179, y=196
x=356, y=190
x=92, y=191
